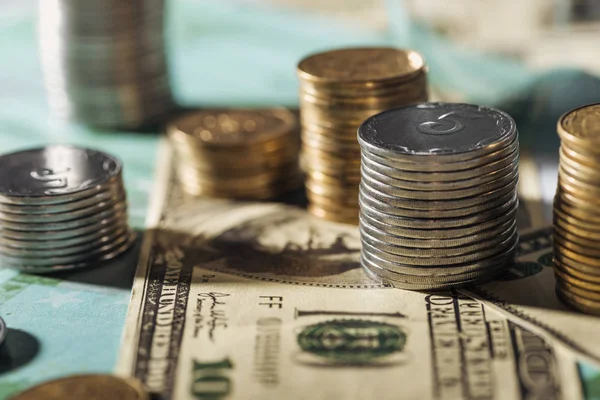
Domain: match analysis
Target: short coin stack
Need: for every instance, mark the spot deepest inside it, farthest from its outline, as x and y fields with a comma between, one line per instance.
x=237, y=153
x=438, y=197
x=104, y=61
x=61, y=207
x=338, y=90
x=577, y=210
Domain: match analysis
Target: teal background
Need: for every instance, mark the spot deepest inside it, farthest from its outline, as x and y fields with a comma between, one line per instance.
x=220, y=54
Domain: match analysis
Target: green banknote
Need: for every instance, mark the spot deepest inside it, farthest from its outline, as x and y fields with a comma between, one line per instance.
x=236, y=300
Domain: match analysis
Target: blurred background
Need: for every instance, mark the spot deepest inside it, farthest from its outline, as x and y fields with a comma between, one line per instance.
x=534, y=58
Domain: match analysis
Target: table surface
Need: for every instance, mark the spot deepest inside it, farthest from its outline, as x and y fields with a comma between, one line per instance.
x=72, y=322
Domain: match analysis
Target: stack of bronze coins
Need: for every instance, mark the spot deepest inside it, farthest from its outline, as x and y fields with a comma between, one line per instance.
x=438, y=198
x=577, y=210
x=338, y=90
x=61, y=207
x=237, y=153
x=104, y=61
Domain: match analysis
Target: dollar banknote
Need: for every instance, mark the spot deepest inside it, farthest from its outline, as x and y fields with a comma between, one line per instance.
x=235, y=300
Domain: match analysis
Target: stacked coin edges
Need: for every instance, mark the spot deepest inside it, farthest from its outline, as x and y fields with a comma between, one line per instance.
x=105, y=63
x=248, y=170
x=576, y=228
x=331, y=111
x=46, y=234
x=438, y=221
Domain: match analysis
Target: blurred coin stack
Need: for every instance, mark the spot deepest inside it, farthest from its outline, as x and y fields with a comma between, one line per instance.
x=438, y=196
x=576, y=228
x=338, y=90
x=237, y=153
x=104, y=61
x=61, y=207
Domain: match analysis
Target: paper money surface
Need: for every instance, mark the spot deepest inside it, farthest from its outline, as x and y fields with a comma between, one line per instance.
x=526, y=294
x=262, y=301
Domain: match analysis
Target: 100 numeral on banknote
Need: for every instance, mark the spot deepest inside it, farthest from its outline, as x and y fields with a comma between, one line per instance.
x=262, y=301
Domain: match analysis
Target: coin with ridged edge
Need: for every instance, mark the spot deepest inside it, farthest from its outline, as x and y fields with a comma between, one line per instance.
x=438, y=194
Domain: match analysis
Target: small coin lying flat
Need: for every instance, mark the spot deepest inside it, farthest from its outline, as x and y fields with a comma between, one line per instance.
x=88, y=387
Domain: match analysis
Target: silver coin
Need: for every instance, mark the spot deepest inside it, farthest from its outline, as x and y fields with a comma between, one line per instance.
x=447, y=176
x=387, y=190
x=67, y=259
x=439, y=233
x=389, y=204
x=112, y=192
x=447, y=131
x=28, y=253
x=440, y=223
x=36, y=243
x=54, y=174
x=71, y=233
x=440, y=261
x=427, y=243
x=440, y=166
x=437, y=252
x=420, y=273
x=76, y=214
x=109, y=253
x=441, y=185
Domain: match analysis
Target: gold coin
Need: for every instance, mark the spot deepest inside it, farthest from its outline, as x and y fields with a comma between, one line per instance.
x=581, y=240
x=581, y=284
x=88, y=387
x=581, y=127
x=358, y=90
x=345, y=216
x=574, y=207
x=578, y=270
x=577, y=169
x=574, y=230
x=578, y=158
x=344, y=180
x=576, y=247
x=233, y=127
x=361, y=65
x=561, y=249
x=577, y=302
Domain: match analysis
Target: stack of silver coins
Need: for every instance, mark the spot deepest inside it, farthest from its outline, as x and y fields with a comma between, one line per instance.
x=438, y=194
x=104, y=61
x=61, y=207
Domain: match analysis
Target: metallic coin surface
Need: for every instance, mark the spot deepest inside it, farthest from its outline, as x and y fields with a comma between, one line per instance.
x=89, y=387
x=361, y=65
x=57, y=170
x=445, y=130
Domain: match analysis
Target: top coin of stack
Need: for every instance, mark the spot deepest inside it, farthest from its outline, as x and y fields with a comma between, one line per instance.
x=61, y=207
x=338, y=90
x=576, y=228
x=237, y=153
x=104, y=61
x=438, y=197
x=88, y=387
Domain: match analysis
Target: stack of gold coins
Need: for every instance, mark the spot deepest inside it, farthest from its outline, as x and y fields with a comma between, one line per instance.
x=338, y=90
x=61, y=207
x=237, y=153
x=577, y=210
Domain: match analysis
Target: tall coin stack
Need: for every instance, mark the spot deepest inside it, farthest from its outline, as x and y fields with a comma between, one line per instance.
x=237, y=153
x=104, y=61
x=61, y=207
x=577, y=210
x=338, y=90
x=438, y=195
